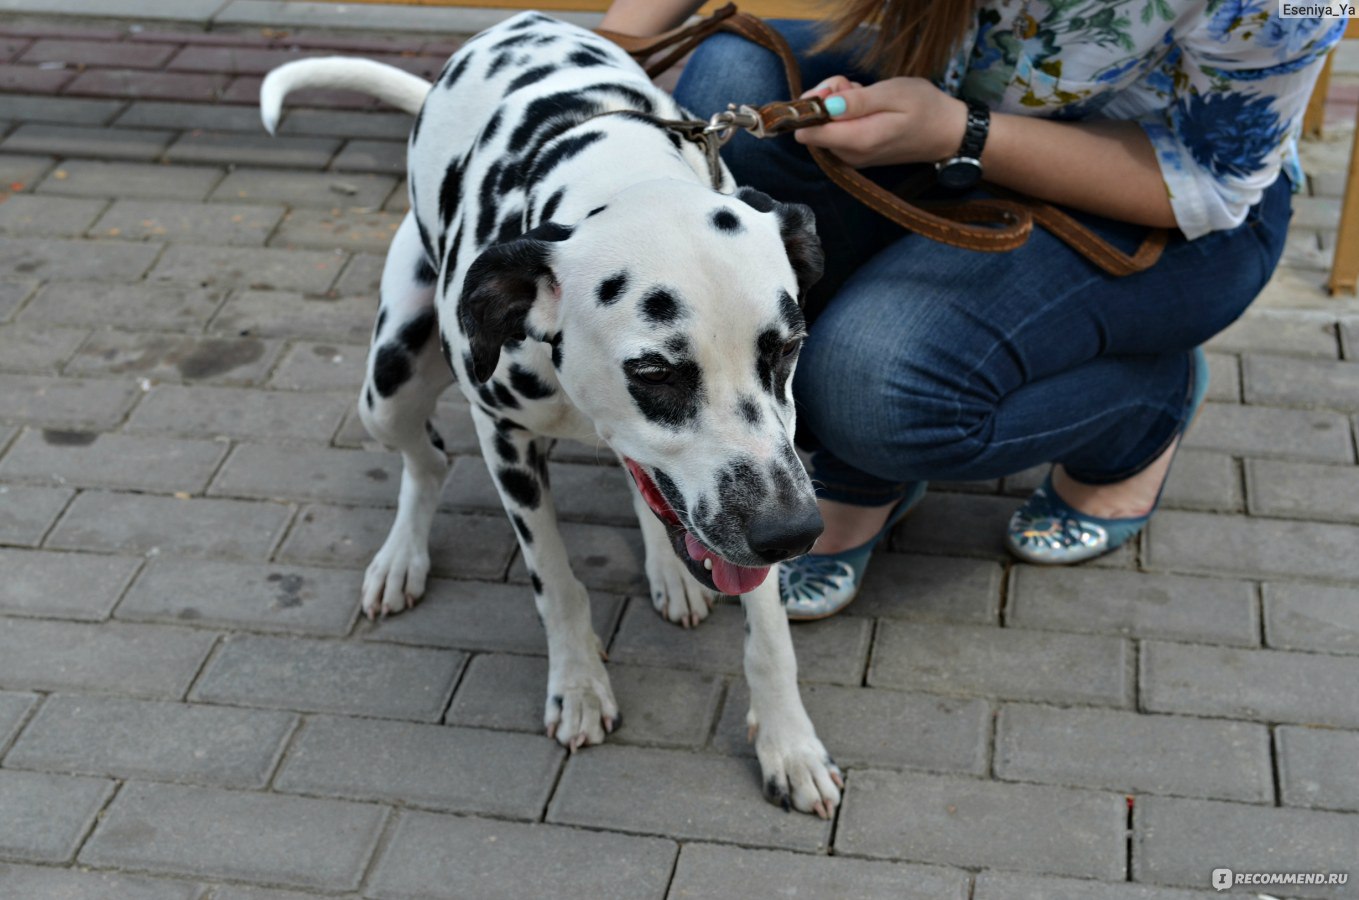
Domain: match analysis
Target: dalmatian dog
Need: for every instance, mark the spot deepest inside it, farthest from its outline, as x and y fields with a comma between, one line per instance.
x=583, y=271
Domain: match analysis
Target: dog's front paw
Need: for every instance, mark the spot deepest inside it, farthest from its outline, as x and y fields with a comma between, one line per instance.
x=395, y=579
x=580, y=705
x=674, y=592
x=797, y=771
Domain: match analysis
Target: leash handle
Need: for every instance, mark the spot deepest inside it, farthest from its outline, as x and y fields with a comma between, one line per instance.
x=992, y=225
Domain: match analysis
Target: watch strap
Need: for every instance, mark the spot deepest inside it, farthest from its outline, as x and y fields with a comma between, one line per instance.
x=978, y=126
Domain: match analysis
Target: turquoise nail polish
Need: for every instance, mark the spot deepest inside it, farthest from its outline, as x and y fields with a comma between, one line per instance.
x=835, y=106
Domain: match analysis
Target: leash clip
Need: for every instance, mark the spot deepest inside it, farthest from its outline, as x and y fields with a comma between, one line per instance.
x=725, y=124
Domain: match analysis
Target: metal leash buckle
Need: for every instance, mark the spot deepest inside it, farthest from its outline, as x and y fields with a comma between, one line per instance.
x=725, y=124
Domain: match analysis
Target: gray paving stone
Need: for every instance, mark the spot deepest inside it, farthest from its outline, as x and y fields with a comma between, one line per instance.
x=64, y=402
x=309, y=366
x=1142, y=754
x=47, y=815
x=1261, y=685
x=505, y=692
x=118, y=461
x=207, y=832
x=137, y=523
x=995, y=885
x=480, y=615
x=603, y=557
x=1317, y=769
x=241, y=892
x=136, y=660
x=122, y=738
x=864, y=727
x=13, y=294
x=372, y=156
x=80, y=140
x=1135, y=604
x=184, y=116
x=1303, y=490
x=284, y=314
x=89, y=178
x=461, y=546
x=363, y=275
x=930, y=589
x=438, y=856
x=176, y=308
x=1265, y=432
x=14, y=707
x=452, y=769
x=833, y=650
x=180, y=10
x=1010, y=663
x=1224, y=378
x=590, y=493
x=62, y=110
x=63, y=585
x=706, y=798
x=76, y=884
x=76, y=260
x=963, y=821
x=1276, y=381
x=1240, y=546
x=323, y=189
x=237, y=149
x=1289, y=332
x=264, y=597
x=296, y=473
x=1312, y=617
x=24, y=348
x=347, y=229
x=1349, y=336
x=376, y=680
x=191, y=223
x=32, y=215
x=238, y=413
x=712, y=870
x=173, y=357
x=956, y=524
x=400, y=200
x=1199, y=479
x=248, y=267
x=344, y=124
x=1180, y=842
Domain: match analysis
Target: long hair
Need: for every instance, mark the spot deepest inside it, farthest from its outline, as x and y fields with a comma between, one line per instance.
x=908, y=37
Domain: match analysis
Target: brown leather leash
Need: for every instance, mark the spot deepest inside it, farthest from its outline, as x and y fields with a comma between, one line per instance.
x=990, y=225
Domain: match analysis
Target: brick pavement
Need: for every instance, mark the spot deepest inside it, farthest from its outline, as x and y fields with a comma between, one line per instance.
x=190, y=706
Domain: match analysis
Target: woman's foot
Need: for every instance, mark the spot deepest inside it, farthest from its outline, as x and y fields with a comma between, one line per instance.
x=1131, y=498
x=848, y=526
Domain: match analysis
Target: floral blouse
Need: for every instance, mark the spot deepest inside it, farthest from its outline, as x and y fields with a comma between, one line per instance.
x=1219, y=86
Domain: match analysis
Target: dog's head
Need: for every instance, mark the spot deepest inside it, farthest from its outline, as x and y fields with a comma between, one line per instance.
x=675, y=320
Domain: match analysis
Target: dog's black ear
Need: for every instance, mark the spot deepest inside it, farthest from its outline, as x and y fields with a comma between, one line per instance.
x=797, y=225
x=500, y=290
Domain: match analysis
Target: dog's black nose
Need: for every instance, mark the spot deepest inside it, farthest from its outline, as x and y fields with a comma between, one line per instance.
x=784, y=533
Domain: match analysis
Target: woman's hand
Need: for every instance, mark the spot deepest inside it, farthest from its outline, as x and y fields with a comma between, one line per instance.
x=900, y=120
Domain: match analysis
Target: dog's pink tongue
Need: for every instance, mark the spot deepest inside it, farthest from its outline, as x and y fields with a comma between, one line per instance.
x=729, y=577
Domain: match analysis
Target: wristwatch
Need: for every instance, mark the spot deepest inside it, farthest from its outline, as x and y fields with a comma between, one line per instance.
x=964, y=169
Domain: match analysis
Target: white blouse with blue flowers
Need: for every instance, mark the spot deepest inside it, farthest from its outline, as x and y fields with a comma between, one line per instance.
x=1220, y=86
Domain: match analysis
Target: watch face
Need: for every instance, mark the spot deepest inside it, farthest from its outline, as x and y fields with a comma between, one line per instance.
x=958, y=174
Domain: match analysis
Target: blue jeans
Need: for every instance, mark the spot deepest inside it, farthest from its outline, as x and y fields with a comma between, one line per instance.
x=929, y=362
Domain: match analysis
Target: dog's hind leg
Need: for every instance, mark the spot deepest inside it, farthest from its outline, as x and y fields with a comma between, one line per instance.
x=674, y=592
x=406, y=375
x=580, y=704
x=796, y=768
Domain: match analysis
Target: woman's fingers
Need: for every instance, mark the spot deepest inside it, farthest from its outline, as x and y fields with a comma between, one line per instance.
x=832, y=85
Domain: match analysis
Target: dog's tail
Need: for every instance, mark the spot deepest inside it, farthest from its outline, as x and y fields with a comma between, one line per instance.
x=388, y=83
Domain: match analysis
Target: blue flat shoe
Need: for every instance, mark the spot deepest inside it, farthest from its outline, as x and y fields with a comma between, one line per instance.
x=818, y=585
x=1048, y=531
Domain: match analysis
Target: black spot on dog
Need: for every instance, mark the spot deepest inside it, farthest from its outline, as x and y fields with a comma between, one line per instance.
x=791, y=313
x=512, y=41
x=487, y=396
x=520, y=486
x=586, y=57
x=560, y=152
x=489, y=131
x=636, y=99
x=557, y=354
x=456, y=71
x=505, y=449
x=725, y=220
x=60, y=438
x=415, y=333
x=368, y=398
x=676, y=140
x=415, y=129
x=532, y=76
x=505, y=398
x=660, y=306
x=748, y=410
x=501, y=60
x=450, y=192
x=425, y=273
x=434, y=437
x=672, y=403
x=536, y=582
x=529, y=385
x=521, y=528
x=381, y=320
x=596, y=211
x=530, y=20
x=486, y=218
x=768, y=353
x=391, y=369
x=511, y=226
x=537, y=460
x=610, y=288
x=547, y=116
x=550, y=207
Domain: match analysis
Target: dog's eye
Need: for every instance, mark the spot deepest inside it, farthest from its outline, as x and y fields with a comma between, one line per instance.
x=791, y=347
x=653, y=374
